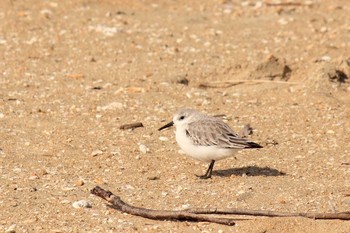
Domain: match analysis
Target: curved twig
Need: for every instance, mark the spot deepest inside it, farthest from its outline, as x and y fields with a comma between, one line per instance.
x=156, y=214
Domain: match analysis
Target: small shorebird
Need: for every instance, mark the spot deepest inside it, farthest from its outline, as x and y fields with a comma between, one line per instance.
x=206, y=138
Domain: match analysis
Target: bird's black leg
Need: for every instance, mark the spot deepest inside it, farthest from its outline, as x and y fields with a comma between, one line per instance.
x=207, y=175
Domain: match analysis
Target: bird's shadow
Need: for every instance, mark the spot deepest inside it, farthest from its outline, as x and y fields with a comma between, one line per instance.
x=249, y=171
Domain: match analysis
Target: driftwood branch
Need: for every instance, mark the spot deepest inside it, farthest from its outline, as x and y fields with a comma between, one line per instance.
x=201, y=214
x=156, y=214
x=232, y=83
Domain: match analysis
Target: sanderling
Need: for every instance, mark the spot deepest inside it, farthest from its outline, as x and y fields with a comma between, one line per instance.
x=206, y=138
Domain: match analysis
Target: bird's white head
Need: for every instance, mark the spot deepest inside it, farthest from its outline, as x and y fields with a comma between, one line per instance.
x=182, y=118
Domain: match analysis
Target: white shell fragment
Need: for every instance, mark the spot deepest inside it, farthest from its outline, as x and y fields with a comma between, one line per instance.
x=81, y=204
x=143, y=148
x=163, y=139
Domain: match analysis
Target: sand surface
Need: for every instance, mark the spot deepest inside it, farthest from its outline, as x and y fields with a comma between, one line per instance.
x=73, y=72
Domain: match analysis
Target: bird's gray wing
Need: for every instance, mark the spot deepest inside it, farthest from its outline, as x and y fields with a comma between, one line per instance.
x=214, y=132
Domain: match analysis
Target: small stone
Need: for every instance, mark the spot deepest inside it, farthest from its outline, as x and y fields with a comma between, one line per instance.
x=81, y=204
x=96, y=153
x=99, y=181
x=135, y=90
x=323, y=29
x=128, y=187
x=68, y=188
x=31, y=220
x=11, y=229
x=207, y=44
x=330, y=131
x=325, y=58
x=75, y=76
x=183, y=80
x=79, y=183
x=153, y=178
x=164, y=194
x=13, y=203
x=227, y=11
x=46, y=12
x=240, y=192
x=115, y=152
x=283, y=21
x=181, y=152
x=104, y=29
x=56, y=231
x=43, y=172
x=33, y=176
x=65, y=202
x=113, y=106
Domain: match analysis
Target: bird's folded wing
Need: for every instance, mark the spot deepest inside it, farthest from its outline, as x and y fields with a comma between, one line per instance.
x=215, y=133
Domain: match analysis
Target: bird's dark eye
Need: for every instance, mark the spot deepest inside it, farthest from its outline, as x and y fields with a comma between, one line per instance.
x=182, y=117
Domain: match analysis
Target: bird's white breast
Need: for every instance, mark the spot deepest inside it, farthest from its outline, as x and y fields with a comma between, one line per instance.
x=202, y=153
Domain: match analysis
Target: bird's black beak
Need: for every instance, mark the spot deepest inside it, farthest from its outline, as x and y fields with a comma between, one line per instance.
x=171, y=123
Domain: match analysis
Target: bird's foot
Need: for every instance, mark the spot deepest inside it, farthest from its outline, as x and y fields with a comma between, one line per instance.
x=204, y=177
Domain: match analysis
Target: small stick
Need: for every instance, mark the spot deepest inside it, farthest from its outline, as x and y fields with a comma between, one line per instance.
x=131, y=126
x=267, y=213
x=220, y=116
x=231, y=83
x=286, y=4
x=156, y=214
